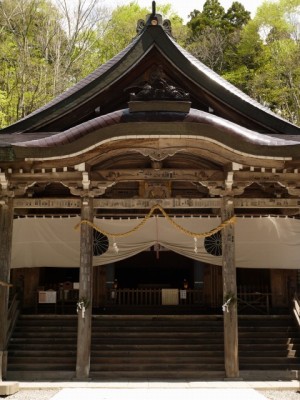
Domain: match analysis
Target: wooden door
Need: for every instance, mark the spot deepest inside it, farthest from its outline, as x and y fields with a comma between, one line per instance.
x=213, y=286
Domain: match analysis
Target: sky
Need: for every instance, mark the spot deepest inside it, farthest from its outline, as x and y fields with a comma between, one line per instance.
x=185, y=7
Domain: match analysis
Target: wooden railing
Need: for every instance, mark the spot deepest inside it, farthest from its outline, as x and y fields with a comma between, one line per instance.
x=296, y=308
x=254, y=299
x=248, y=298
x=12, y=315
x=151, y=297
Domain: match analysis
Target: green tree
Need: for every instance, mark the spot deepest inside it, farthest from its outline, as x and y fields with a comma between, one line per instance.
x=43, y=48
x=26, y=50
x=215, y=34
x=46, y=46
x=269, y=53
x=120, y=29
x=211, y=16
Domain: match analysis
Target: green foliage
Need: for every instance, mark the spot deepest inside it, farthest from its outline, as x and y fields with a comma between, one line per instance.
x=215, y=34
x=121, y=28
x=45, y=47
x=270, y=48
x=3, y=103
x=211, y=16
x=28, y=50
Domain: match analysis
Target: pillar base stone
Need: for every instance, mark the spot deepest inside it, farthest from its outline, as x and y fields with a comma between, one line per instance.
x=7, y=388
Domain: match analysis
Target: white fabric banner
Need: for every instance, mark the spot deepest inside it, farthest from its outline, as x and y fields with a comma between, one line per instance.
x=267, y=242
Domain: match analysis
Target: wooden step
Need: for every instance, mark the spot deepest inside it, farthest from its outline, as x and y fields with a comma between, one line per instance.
x=151, y=347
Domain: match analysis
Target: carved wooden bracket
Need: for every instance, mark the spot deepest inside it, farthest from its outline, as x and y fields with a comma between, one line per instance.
x=95, y=188
x=157, y=154
x=225, y=188
x=292, y=188
x=12, y=189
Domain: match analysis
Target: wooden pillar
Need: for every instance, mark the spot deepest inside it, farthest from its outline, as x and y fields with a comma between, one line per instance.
x=6, y=228
x=229, y=291
x=85, y=292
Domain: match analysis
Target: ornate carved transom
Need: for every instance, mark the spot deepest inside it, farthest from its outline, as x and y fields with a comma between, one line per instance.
x=157, y=88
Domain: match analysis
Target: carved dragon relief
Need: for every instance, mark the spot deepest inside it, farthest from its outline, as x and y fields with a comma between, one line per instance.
x=155, y=190
x=156, y=86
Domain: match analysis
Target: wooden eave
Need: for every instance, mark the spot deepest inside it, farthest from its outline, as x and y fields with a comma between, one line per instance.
x=124, y=131
x=152, y=47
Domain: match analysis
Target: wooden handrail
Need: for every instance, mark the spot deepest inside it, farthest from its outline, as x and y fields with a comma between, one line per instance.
x=296, y=309
x=12, y=316
x=258, y=301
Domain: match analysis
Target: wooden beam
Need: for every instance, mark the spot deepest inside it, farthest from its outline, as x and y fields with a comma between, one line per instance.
x=138, y=174
x=164, y=174
x=85, y=292
x=229, y=292
x=53, y=203
x=178, y=203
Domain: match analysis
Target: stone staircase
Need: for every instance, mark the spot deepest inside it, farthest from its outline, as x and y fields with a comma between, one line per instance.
x=154, y=347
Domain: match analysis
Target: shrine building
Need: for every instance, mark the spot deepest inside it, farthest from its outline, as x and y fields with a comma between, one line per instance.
x=149, y=226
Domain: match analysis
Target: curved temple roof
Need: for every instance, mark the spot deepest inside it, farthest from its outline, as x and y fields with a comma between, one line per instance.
x=195, y=124
x=80, y=101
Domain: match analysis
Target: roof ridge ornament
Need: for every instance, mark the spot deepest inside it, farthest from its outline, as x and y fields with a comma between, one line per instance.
x=154, y=19
x=153, y=8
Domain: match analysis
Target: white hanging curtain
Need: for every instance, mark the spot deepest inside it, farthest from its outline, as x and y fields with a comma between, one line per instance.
x=267, y=242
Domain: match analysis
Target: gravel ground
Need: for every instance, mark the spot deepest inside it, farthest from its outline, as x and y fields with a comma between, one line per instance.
x=281, y=394
x=47, y=394
x=41, y=394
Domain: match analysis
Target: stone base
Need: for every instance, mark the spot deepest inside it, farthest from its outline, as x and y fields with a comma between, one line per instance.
x=7, y=388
